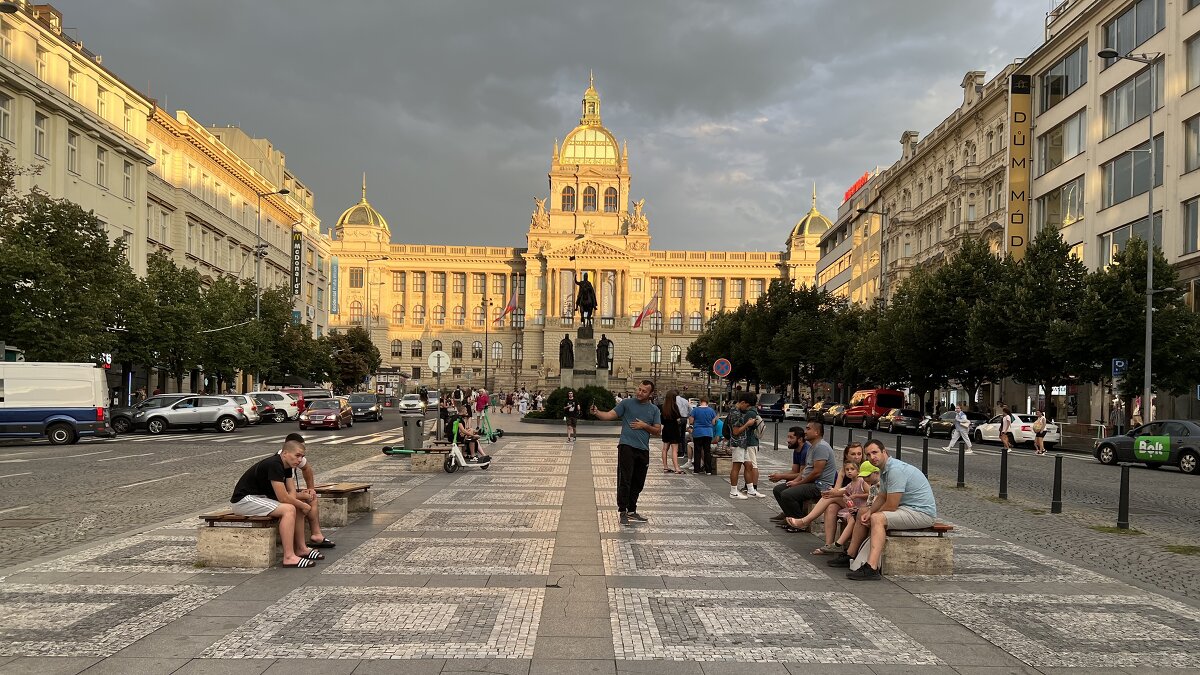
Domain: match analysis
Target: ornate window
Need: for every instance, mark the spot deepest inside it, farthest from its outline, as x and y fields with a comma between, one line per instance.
x=397, y=349
x=610, y=200
x=418, y=349
x=398, y=315
x=676, y=322
x=589, y=198
x=398, y=279
x=518, y=316
x=435, y=346
x=478, y=316
x=456, y=349
x=518, y=352
x=656, y=321
x=696, y=322
x=476, y=350
x=439, y=316
x=439, y=282
x=356, y=312
x=656, y=354
x=356, y=277
x=568, y=198
x=460, y=316
x=497, y=350
x=419, y=315
x=676, y=354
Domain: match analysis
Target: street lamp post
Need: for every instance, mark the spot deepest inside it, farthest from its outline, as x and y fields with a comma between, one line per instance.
x=1149, y=59
x=882, y=230
x=487, y=349
x=260, y=251
x=367, y=283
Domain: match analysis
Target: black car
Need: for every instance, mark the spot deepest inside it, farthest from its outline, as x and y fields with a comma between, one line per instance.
x=943, y=425
x=266, y=409
x=901, y=420
x=770, y=406
x=817, y=411
x=834, y=415
x=121, y=419
x=1174, y=442
x=367, y=406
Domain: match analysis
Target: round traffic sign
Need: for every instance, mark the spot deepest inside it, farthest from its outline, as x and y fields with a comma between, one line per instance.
x=722, y=367
x=439, y=362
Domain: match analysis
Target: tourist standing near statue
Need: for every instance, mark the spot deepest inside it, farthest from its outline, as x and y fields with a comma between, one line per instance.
x=640, y=419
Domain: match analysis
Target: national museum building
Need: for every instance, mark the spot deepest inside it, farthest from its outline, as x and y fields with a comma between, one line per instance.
x=417, y=298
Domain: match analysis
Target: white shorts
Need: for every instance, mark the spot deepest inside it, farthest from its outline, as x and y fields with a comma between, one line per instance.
x=906, y=518
x=255, y=505
x=747, y=455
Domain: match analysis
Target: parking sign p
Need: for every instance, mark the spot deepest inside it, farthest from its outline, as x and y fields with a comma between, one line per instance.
x=1119, y=366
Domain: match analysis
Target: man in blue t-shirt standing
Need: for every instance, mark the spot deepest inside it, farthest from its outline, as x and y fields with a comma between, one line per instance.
x=701, y=421
x=640, y=419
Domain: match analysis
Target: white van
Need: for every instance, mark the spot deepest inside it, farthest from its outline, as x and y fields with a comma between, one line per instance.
x=60, y=401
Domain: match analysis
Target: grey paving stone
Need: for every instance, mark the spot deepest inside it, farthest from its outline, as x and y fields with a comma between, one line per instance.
x=115, y=665
x=529, y=520
x=579, y=626
x=437, y=556
x=498, y=495
x=658, y=668
x=169, y=646
x=1000, y=562
x=685, y=522
x=406, y=667
x=142, y=553
x=311, y=667
x=573, y=648
x=722, y=559
x=572, y=667
x=721, y=668
x=827, y=669
x=46, y=665
x=491, y=666
x=225, y=666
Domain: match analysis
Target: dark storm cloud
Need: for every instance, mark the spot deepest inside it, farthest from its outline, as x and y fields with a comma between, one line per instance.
x=732, y=110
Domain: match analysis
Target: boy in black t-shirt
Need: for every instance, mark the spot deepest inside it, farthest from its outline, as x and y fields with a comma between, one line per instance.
x=571, y=408
x=465, y=437
x=262, y=491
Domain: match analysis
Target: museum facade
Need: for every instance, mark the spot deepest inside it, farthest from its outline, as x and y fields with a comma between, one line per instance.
x=414, y=299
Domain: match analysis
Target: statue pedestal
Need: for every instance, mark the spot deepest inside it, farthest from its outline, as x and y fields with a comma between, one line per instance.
x=585, y=373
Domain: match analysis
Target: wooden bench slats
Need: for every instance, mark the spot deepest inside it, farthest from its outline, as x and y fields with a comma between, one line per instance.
x=940, y=528
x=211, y=519
x=341, y=488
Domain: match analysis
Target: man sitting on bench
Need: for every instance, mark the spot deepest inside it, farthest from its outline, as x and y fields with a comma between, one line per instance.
x=905, y=502
x=465, y=437
x=308, y=495
x=262, y=491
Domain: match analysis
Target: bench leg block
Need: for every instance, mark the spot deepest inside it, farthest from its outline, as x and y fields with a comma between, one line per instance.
x=724, y=466
x=428, y=462
x=360, y=502
x=334, y=511
x=251, y=547
x=918, y=555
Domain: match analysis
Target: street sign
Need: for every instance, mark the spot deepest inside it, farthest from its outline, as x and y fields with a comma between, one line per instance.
x=722, y=367
x=1119, y=367
x=439, y=362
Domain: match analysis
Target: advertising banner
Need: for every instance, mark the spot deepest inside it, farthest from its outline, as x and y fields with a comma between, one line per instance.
x=1020, y=156
x=297, y=261
x=1152, y=448
x=333, y=285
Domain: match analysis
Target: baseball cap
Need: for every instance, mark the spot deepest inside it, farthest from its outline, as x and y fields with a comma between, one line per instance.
x=866, y=469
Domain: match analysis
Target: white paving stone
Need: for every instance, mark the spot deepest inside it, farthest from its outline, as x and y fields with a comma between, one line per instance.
x=426, y=555
x=721, y=559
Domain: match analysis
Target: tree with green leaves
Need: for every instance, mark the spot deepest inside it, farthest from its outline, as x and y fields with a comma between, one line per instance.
x=354, y=358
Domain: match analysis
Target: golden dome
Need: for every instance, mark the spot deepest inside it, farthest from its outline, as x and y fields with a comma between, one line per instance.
x=362, y=213
x=590, y=142
x=813, y=223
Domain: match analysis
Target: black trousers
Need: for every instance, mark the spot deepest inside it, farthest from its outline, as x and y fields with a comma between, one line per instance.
x=702, y=458
x=631, y=475
x=792, y=499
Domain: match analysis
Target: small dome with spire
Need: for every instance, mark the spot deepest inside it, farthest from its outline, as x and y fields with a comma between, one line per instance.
x=362, y=213
x=813, y=223
x=590, y=142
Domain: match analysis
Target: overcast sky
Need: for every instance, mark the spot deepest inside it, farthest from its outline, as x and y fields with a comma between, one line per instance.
x=732, y=110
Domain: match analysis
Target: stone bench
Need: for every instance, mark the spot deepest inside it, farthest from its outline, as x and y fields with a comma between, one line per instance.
x=430, y=461
x=229, y=540
x=924, y=551
x=339, y=500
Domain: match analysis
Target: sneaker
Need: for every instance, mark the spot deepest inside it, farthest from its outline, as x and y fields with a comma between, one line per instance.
x=864, y=573
x=968, y=451
x=947, y=449
x=842, y=560
x=635, y=517
x=734, y=494
x=755, y=493
x=624, y=518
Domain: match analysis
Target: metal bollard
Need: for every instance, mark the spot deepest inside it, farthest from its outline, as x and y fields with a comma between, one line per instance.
x=899, y=443
x=962, y=465
x=1056, y=496
x=776, y=434
x=1003, y=473
x=870, y=435
x=925, y=456
x=830, y=434
x=1123, y=503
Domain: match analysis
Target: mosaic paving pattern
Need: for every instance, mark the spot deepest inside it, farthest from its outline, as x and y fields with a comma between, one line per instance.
x=140, y=553
x=488, y=480
x=1080, y=631
x=606, y=479
x=726, y=559
x=478, y=520
x=60, y=620
x=698, y=625
x=1009, y=563
x=392, y=480
x=508, y=497
x=447, y=556
x=391, y=623
x=661, y=499
x=499, y=465
x=684, y=522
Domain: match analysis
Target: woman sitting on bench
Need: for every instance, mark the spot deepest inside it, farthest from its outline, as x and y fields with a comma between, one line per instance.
x=466, y=438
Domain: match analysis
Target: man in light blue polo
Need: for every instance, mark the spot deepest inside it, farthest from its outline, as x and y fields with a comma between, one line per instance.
x=905, y=503
x=640, y=419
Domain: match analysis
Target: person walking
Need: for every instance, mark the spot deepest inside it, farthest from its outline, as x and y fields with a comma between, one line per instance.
x=671, y=432
x=1005, y=427
x=1039, y=433
x=640, y=419
x=701, y=421
x=571, y=415
x=962, y=429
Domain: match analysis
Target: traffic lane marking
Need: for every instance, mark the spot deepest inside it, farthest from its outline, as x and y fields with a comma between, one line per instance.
x=183, y=459
x=14, y=475
x=111, y=459
x=152, y=480
x=15, y=508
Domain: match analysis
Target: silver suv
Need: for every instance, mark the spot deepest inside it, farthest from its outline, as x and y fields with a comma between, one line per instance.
x=194, y=412
x=285, y=404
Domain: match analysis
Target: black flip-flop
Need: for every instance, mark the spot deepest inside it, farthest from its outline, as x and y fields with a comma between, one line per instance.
x=324, y=543
x=303, y=562
x=314, y=555
x=789, y=528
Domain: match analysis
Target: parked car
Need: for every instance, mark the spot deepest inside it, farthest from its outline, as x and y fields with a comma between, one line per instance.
x=770, y=406
x=1174, y=442
x=366, y=406
x=1020, y=431
x=793, y=411
x=266, y=411
x=412, y=402
x=834, y=414
x=194, y=412
x=122, y=418
x=60, y=401
x=249, y=405
x=327, y=413
x=432, y=400
x=901, y=420
x=943, y=425
x=287, y=406
x=868, y=405
x=817, y=411
x=303, y=396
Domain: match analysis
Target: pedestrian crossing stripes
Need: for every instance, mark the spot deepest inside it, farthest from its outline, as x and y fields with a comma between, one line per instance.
x=361, y=439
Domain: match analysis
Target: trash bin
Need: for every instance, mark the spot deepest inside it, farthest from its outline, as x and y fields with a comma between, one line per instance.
x=414, y=431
